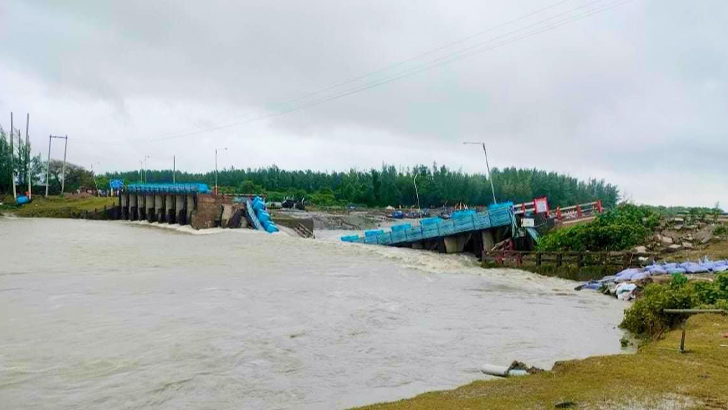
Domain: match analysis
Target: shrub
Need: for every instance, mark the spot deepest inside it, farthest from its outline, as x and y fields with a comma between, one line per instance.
x=646, y=317
x=616, y=230
x=720, y=230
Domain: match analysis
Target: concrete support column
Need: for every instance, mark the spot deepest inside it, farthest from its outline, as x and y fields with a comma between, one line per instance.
x=124, y=206
x=181, y=209
x=488, y=240
x=158, y=208
x=190, y=206
x=149, y=201
x=133, y=207
x=456, y=243
x=227, y=215
x=169, y=205
x=142, y=207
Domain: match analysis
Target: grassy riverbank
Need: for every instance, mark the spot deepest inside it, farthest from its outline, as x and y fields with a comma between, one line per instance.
x=59, y=207
x=658, y=376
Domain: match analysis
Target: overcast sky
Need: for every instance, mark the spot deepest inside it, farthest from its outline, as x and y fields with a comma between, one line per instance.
x=635, y=93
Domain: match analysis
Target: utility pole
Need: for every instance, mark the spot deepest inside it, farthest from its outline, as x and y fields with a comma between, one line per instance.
x=48, y=165
x=63, y=169
x=12, y=157
x=174, y=168
x=21, y=167
x=27, y=148
x=216, y=149
x=492, y=190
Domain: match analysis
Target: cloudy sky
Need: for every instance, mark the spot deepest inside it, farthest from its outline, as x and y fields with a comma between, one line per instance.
x=635, y=92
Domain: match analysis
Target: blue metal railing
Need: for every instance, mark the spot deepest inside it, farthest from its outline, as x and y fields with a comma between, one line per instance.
x=497, y=216
x=191, y=188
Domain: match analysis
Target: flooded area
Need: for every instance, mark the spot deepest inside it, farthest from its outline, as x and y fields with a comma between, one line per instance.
x=119, y=315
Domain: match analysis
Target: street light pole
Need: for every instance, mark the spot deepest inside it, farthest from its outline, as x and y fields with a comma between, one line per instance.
x=487, y=166
x=145, y=168
x=217, y=149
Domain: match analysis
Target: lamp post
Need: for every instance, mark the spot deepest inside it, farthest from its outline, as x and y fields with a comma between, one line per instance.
x=492, y=189
x=217, y=149
x=145, y=168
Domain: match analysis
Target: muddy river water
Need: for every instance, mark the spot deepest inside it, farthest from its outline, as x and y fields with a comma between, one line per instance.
x=118, y=315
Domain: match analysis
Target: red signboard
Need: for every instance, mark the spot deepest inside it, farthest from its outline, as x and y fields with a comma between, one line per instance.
x=541, y=205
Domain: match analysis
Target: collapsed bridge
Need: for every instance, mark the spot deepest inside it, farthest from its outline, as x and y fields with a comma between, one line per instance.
x=465, y=230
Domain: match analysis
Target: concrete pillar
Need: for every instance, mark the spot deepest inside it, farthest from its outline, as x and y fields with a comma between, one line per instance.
x=488, y=240
x=179, y=206
x=169, y=206
x=149, y=201
x=159, y=208
x=142, y=206
x=227, y=215
x=133, y=207
x=124, y=204
x=456, y=243
x=191, y=202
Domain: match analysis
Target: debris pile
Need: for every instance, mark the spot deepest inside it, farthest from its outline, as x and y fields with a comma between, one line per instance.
x=681, y=233
x=626, y=284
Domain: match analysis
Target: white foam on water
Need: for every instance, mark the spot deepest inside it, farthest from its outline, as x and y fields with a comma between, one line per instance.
x=101, y=314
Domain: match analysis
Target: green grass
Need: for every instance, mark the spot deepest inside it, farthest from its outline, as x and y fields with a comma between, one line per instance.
x=60, y=207
x=658, y=375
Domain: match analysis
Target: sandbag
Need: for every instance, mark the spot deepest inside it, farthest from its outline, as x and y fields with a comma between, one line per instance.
x=692, y=267
x=656, y=270
x=626, y=275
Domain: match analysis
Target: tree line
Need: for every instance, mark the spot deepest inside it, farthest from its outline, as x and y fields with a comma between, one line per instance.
x=435, y=185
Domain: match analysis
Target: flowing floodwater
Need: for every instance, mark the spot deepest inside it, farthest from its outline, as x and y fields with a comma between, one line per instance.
x=118, y=315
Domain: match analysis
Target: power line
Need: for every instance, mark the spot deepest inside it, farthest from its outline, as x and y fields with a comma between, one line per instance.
x=391, y=66
x=469, y=51
x=427, y=66
x=446, y=61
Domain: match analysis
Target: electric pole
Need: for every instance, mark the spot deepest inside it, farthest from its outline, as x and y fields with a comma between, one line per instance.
x=48, y=165
x=63, y=169
x=12, y=157
x=27, y=156
x=492, y=190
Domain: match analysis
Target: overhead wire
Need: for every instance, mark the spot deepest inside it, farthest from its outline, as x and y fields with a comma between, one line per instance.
x=390, y=66
x=469, y=51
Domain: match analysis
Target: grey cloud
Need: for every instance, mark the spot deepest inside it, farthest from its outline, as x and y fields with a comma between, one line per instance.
x=637, y=90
